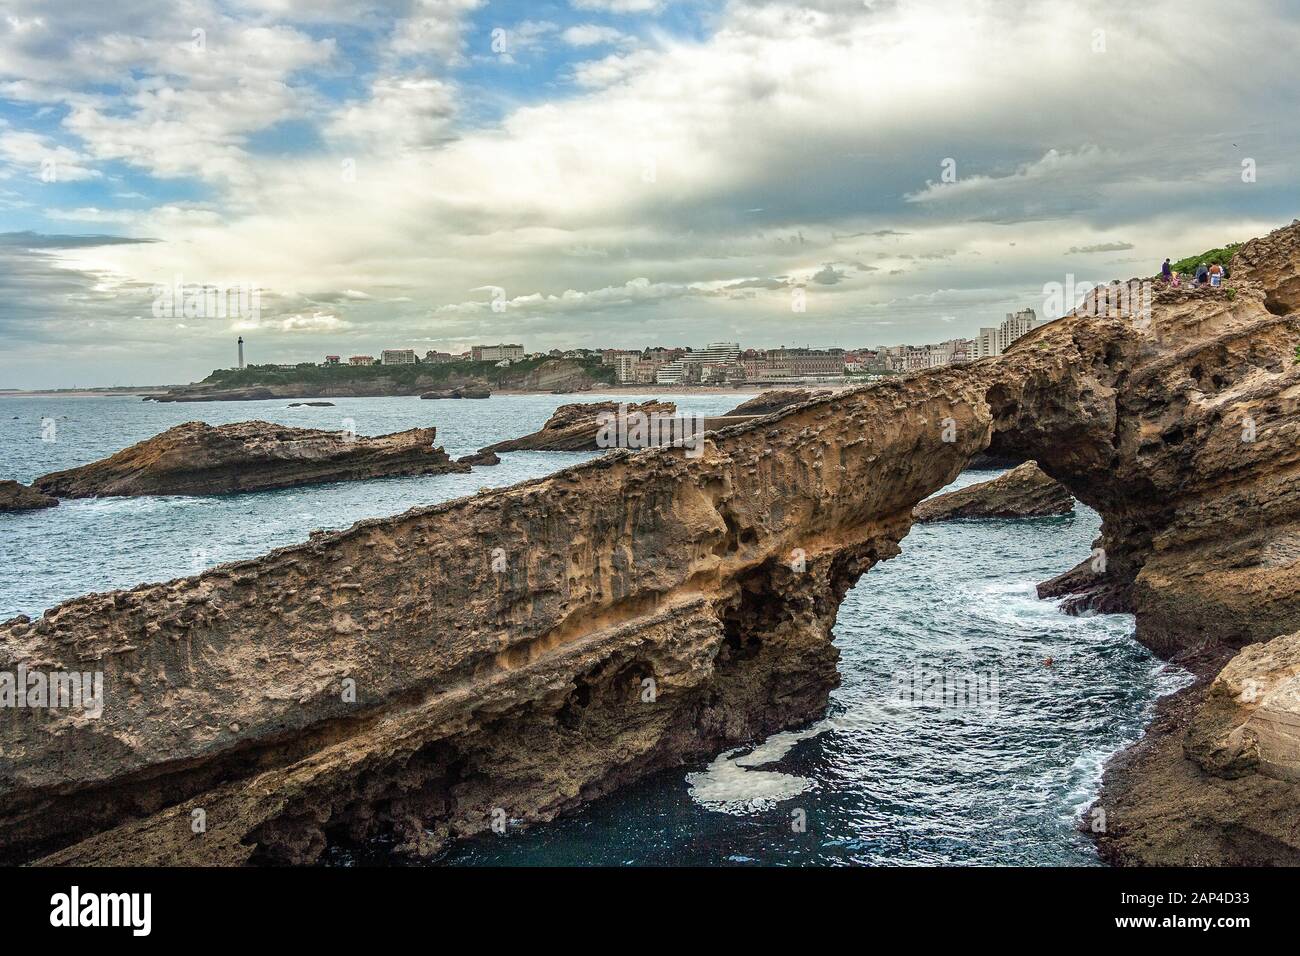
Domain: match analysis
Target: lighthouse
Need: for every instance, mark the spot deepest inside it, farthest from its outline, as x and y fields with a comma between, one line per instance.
x=241, y=351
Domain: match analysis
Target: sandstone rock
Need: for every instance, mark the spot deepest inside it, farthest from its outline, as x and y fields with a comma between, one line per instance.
x=574, y=427
x=500, y=643
x=15, y=496
x=460, y=391
x=1023, y=492
x=200, y=459
x=480, y=458
x=775, y=399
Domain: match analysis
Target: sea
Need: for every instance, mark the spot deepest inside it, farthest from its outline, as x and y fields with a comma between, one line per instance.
x=971, y=727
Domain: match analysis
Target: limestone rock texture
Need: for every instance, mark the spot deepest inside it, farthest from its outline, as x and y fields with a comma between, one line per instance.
x=775, y=399
x=200, y=459
x=528, y=649
x=573, y=427
x=479, y=390
x=15, y=496
x=1023, y=492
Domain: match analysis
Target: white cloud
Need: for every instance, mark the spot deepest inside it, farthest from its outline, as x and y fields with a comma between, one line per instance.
x=407, y=111
x=591, y=34
x=621, y=6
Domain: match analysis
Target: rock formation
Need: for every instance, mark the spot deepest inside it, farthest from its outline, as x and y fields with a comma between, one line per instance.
x=574, y=427
x=460, y=391
x=15, y=496
x=1023, y=492
x=527, y=649
x=200, y=459
x=775, y=399
x=480, y=458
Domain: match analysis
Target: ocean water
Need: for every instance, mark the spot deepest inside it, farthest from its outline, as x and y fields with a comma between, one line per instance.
x=996, y=768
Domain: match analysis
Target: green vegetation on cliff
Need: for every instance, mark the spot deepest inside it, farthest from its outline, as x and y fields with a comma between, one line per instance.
x=424, y=374
x=1221, y=256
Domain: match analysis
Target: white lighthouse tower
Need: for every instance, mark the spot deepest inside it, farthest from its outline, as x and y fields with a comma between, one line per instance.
x=241, y=351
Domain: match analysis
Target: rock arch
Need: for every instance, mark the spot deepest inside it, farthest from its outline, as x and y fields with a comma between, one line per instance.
x=481, y=690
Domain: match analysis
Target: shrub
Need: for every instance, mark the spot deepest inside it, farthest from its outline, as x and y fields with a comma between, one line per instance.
x=1221, y=256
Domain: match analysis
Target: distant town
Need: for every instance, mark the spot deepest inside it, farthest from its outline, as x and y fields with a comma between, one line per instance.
x=726, y=363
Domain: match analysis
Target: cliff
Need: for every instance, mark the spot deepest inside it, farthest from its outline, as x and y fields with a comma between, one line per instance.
x=515, y=654
x=263, y=382
x=200, y=459
x=1023, y=492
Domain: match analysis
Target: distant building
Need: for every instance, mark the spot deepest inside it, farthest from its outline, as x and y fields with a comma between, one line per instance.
x=994, y=341
x=397, y=357
x=362, y=360
x=437, y=358
x=718, y=353
x=241, y=351
x=331, y=360
x=495, y=353
x=671, y=373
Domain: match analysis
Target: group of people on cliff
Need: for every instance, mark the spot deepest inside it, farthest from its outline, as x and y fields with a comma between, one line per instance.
x=1211, y=275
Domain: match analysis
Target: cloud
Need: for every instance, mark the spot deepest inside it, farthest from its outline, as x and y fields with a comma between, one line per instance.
x=664, y=192
x=828, y=275
x=401, y=112
x=1100, y=247
x=621, y=6
x=590, y=34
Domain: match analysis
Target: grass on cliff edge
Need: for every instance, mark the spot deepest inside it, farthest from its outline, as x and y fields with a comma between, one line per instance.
x=424, y=374
x=1221, y=256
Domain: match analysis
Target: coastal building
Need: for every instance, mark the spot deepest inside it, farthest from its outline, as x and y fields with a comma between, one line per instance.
x=671, y=373
x=362, y=360
x=495, y=353
x=438, y=358
x=332, y=360
x=994, y=341
x=397, y=357
x=241, y=351
x=718, y=353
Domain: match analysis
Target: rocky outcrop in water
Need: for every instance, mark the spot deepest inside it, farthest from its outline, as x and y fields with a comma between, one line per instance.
x=200, y=459
x=574, y=427
x=775, y=399
x=1023, y=492
x=15, y=496
x=513, y=655
x=462, y=391
x=480, y=458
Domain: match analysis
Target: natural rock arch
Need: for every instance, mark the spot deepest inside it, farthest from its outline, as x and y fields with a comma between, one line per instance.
x=481, y=690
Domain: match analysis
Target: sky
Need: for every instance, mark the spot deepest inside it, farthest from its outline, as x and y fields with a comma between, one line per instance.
x=434, y=174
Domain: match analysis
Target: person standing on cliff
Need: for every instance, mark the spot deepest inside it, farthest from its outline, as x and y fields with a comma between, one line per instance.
x=1167, y=271
x=1202, y=274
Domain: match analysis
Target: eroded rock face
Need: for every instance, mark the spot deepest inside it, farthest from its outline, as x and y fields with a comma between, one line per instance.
x=15, y=496
x=500, y=646
x=775, y=399
x=530, y=648
x=574, y=427
x=200, y=459
x=461, y=391
x=1023, y=492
